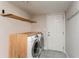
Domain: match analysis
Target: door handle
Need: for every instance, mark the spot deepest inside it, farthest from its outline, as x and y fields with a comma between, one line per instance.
x=48, y=33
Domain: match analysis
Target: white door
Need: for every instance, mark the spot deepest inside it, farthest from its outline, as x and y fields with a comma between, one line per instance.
x=55, y=32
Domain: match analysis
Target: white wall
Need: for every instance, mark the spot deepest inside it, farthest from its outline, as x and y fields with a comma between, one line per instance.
x=43, y=26
x=40, y=26
x=8, y=26
x=72, y=30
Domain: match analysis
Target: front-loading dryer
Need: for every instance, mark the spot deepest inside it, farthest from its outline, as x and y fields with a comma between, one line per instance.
x=33, y=48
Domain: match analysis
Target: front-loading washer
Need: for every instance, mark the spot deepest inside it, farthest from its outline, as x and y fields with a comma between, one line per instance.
x=33, y=48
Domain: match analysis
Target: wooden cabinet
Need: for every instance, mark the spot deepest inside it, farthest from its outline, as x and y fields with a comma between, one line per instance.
x=17, y=48
x=12, y=44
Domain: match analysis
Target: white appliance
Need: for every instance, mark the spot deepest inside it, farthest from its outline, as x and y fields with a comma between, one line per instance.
x=33, y=46
x=41, y=38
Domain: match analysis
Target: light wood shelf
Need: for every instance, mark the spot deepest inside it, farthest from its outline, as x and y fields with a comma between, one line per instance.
x=18, y=18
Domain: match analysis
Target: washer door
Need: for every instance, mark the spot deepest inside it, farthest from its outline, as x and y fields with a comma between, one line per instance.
x=36, y=48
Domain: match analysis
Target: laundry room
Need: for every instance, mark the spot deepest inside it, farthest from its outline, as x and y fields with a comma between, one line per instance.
x=39, y=29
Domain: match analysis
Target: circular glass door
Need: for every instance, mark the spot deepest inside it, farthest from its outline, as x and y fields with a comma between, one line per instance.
x=36, y=48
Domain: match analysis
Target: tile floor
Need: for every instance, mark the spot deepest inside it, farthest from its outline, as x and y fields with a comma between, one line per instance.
x=52, y=54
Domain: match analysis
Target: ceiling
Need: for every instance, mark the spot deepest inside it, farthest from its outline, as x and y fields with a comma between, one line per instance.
x=42, y=7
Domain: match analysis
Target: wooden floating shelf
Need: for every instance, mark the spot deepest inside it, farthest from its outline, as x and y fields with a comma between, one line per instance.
x=18, y=17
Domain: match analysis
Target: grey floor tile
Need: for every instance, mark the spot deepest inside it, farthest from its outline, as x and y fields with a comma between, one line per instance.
x=52, y=54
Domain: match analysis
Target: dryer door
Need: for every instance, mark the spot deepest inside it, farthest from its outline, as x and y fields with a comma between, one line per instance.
x=36, y=48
